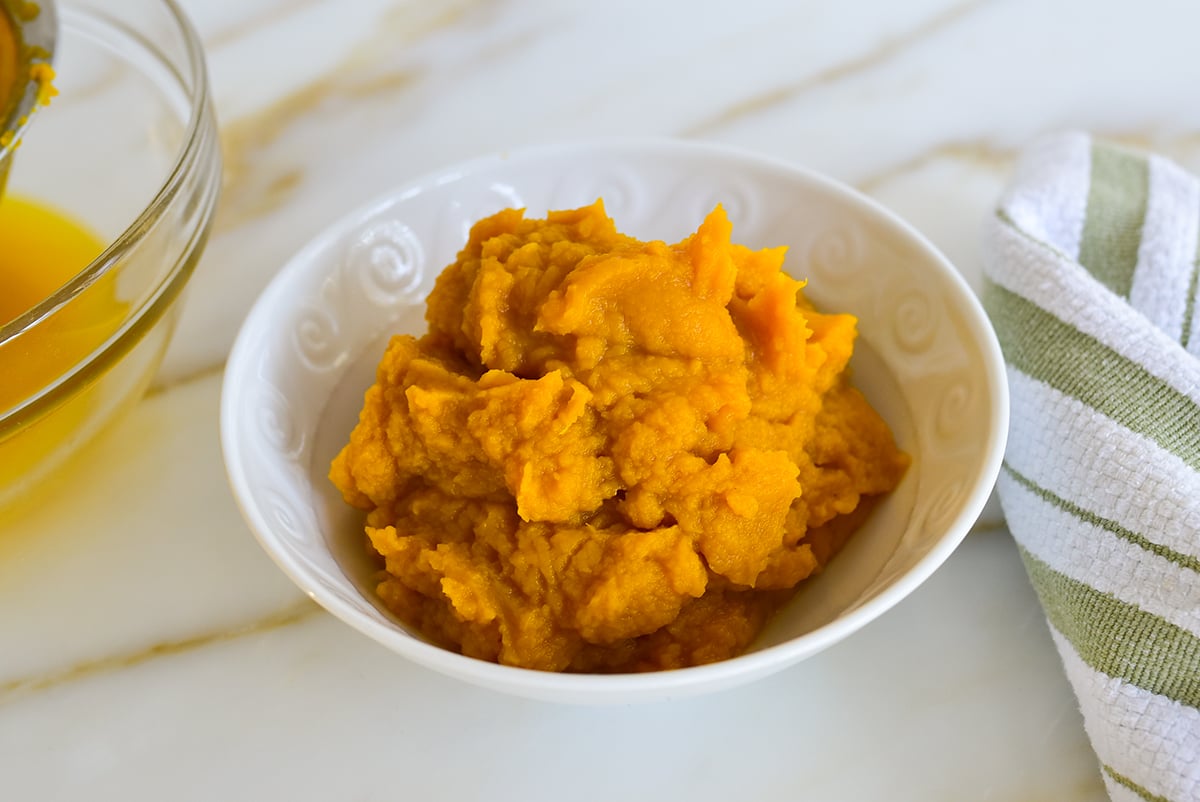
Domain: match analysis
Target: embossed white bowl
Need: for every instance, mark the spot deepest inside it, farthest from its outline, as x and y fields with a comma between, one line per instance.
x=927, y=359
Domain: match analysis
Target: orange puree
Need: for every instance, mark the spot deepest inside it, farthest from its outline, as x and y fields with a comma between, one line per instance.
x=608, y=454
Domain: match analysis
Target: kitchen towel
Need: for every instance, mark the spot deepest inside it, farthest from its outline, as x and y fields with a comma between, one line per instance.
x=1090, y=281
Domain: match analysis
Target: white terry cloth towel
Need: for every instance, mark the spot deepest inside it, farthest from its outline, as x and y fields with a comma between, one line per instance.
x=1091, y=282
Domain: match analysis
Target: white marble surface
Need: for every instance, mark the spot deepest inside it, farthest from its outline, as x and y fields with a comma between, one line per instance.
x=149, y=650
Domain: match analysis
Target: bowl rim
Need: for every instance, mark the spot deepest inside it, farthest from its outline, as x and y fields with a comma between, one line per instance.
x=198, y=131
x=629, y=686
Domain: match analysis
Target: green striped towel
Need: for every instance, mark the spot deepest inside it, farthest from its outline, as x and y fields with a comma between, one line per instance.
x=1091, y=279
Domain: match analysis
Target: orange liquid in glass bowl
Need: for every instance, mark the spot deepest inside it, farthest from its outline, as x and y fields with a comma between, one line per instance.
x=40, y=250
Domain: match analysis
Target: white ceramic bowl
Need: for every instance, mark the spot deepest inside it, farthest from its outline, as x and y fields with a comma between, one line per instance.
x=927, y=359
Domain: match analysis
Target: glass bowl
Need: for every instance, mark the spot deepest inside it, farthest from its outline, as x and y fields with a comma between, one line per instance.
x=128, y=149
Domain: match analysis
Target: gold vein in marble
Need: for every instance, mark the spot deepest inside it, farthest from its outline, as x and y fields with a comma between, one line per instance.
x=255, y=185
x=886, y=50
x=14, y=689
x=993, y=158
x=980, y=154
x=176, y=382
x=399, y=23
x=257, y=23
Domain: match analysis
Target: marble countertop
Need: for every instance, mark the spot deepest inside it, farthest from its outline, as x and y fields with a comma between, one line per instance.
x=150, y=650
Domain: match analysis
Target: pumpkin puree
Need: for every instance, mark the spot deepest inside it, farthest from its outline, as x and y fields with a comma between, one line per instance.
x=608, y=454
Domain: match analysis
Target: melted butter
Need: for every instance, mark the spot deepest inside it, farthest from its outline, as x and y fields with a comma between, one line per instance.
x=40, y=250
